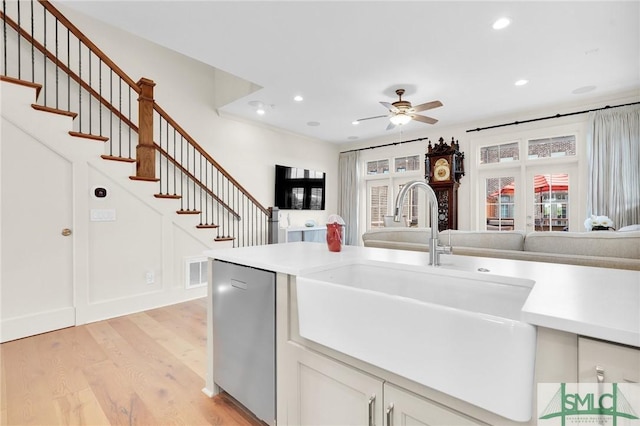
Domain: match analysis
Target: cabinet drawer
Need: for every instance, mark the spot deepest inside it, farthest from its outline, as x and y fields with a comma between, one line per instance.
x=608, y=362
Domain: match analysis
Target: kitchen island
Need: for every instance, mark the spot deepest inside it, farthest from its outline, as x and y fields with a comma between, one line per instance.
x=566, y=303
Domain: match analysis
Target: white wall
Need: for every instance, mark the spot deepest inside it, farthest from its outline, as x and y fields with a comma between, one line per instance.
x=111, y=259
x=190, y=91
x=470, y=142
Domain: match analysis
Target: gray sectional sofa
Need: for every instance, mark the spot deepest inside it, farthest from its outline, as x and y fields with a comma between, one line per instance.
x=607, y=249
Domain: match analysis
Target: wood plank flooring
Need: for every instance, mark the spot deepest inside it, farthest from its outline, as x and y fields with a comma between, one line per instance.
x=141, y=369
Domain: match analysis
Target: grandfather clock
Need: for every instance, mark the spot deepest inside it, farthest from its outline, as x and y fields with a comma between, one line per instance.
x=444, y=166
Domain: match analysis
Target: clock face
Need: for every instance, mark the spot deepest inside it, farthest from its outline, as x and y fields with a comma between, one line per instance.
x=441, y=171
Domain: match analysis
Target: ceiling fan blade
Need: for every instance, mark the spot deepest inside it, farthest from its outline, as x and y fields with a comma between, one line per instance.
x=424, y=119
x=391, y=126
x=390, y=107
x=371, y=118
x=427, y=105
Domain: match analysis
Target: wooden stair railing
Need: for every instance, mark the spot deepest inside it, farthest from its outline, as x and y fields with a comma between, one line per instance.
x=204, y=185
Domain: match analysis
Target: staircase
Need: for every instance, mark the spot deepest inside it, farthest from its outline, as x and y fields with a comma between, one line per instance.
x=72, y=77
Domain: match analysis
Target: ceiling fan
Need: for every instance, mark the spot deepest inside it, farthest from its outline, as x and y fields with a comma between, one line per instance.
x=401, y=112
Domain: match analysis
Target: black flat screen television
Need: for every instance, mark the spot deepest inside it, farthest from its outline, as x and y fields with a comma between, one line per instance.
x=299, y=189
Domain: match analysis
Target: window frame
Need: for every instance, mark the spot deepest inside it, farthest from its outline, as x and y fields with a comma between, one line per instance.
x=520, y=168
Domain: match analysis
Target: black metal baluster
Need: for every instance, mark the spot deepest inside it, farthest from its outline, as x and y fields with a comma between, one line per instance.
x=129, y=127
x=160, y=139
x=68, y=67
x=56, y=64
x=19, y=50
x=111, y=113
x=100, y=100
x=44, y=57
x=79, y=87
x=33, y=53
x=89, y=93
x=4, y=37
x=182, y=199
x=200, y=179
x=175, y=157
x=194, y=183
x=120, y=116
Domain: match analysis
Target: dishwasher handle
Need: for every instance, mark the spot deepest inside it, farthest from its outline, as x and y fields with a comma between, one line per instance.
x=238, y=284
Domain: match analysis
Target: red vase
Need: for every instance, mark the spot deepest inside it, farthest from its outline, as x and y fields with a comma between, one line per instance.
x=334, y=236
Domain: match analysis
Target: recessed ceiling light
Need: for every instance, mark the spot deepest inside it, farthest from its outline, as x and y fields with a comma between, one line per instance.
x=521, y=82
x=352, y=138
x=355, y=122
x=501, y=23
x=298, y=98
x=313, y=123
x=260, y=111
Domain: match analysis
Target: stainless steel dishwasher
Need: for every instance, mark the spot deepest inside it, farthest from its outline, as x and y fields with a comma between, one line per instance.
x=244, y=331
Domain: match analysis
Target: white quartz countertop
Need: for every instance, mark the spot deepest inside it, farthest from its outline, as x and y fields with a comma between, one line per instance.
x=596, y=302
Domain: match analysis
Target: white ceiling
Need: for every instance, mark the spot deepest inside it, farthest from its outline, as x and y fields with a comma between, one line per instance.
x=346, y=57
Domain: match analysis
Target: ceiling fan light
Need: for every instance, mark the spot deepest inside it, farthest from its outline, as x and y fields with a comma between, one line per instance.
x=400, y=119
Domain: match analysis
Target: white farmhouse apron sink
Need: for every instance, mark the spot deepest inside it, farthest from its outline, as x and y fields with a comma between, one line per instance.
x=454, y=331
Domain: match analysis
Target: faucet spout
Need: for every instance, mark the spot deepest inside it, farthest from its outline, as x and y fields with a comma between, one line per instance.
x=434, y=249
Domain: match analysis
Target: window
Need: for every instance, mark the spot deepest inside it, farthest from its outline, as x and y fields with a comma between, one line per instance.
x=378, y=167
x=196, y=272
x=529, y=192
x=500, y=203
x=405, y=164
x=551, y=201
x=378, y=204
x=384, y=179
x=561, y=146
x=499, y=153
x=410, y=207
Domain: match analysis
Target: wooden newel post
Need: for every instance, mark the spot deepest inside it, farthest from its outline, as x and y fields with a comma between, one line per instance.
x=145, y=151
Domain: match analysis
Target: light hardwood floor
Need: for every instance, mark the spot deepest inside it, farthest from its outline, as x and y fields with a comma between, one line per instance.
x=141, y=369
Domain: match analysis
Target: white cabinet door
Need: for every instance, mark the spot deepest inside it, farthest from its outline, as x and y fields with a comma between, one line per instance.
x=607, y=362
x=333, y=394
x=402, y=408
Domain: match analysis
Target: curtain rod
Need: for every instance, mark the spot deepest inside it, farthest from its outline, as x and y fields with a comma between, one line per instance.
x=515, y=123
x=380, y=146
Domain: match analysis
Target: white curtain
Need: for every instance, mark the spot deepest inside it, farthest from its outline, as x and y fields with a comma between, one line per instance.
x=613, y=150
x=348, y=175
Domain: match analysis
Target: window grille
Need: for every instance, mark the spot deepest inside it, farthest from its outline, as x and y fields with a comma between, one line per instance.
x=500, y=153
x=561, y=146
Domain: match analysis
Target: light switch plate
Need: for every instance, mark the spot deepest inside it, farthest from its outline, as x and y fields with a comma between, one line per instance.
x=103, y=215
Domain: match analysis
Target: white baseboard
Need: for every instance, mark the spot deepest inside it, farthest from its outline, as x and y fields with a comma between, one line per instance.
x=41, y=322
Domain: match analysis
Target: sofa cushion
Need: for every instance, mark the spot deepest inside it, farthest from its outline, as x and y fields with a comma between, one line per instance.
x=594, y=243
x=503, y=240
x=398, y=235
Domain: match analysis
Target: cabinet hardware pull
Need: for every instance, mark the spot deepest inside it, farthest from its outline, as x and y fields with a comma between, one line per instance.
x=372, y=404
x=389, y=414
x=600, y=374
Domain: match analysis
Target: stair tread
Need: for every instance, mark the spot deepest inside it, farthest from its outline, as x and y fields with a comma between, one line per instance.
x=36, y=86
x=144, y=179
x=89, y=136
x=54, y=110
x=116, y=158
x=224, y=239
x=212, y=226
x=188, y=211
x=169, y=196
